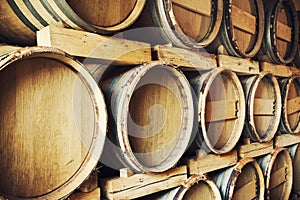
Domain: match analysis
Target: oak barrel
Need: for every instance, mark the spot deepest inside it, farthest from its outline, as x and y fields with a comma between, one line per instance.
x=295, y=155
x=278, y=172
x=21, y=19
x=297, y=57
x=53, y=123
x=151, y=116
x=243, y=181
x=290, y=92
x=281, y=33
x=187, y=24
x=196, y=187
x=263, y=106
x=242, y=28
x=221, y=110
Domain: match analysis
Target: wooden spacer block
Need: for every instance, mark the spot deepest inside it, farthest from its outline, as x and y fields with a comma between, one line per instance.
x=139, y=185
x=285, y=140
x=295, y=71
x=92, y=195
x=277, y=70
x=252, y=150
x=210, y=162
x=188, y=59
x=239, y=65
x=84, y=44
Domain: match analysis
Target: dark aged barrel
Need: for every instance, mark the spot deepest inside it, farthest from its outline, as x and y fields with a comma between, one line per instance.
x=278, y=172
x=187, y=24
x=295, y=155
x=243, y=181
x=197, y=187
x=52, y=125
x=221, y=110
x=152, y=116
x=290, y=117
x=242, y=28
x=263, y=106
x=297, y=57
x=281, y=34
x=21, y=19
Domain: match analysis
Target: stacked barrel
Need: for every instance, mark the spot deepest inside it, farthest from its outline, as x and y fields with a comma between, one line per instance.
x=59, y=121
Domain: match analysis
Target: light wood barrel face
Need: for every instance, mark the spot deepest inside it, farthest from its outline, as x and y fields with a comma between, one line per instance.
x=247, y=184
x=224, y=112
x=292, y=109
x=200, y=190
x=155, y=117
x=103, y=13
x=46, y=126
x=245, y=29
x=195, y=22
x=280, y=182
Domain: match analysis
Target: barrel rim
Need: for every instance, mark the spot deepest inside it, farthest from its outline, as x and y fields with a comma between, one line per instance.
x=166, y=15
x=271, y=131
x=234, y=138
x=229, y=38
x=121, y=119
x=94, y=151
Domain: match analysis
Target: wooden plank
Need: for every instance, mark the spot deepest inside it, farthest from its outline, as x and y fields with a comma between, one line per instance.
x=186, y=58
x=295, y=71
x=287, y=140
x=84, y=44
x=263, y=107
x=255, y=149
x=139, y=185
x=293, y=105
x=278, y=177
x=91, y=183
x=93, y=195
x=247, y=191
x=202, y=7
x=277, y=70
x=238, y=65
x=284, y=32
x=220, y=110
x=243, y=20
x=210, y=162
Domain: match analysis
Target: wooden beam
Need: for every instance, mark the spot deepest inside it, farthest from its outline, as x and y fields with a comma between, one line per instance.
x=238, y=65
x=93, y=195
x=85, y=44
x=263, y=107
x=277, y=70
x=255, y=149
x=202, y=7
x=210, y=162
x=293, y=105
x=220, y=110
x=188, y=59
x=243, y=20
x=287, y=140
x=247, y=191
x=139, y=185
x=284, y=32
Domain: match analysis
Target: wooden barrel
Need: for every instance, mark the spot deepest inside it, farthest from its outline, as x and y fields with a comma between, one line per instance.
x=221, y=110
x=295, y=155
x=278, y=172
x=290, y=92
x=243, y=181
x=152, y=116
x=297, y=57
x=263, y=112
x=187, y=24
x=21, y=19
x=197, y=187
x=242, y=29
x=281, y=34
x=53, y=123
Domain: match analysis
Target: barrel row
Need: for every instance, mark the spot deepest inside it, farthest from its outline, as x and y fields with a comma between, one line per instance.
x=273, y=176
x=240, y=26
x=54, y=117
